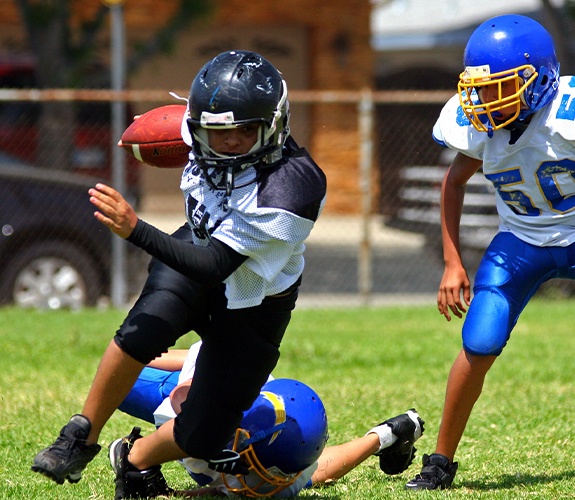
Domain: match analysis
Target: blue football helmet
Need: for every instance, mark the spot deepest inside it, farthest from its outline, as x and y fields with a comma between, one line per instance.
x=234, y=89
x=283, y=433
x=511, y=71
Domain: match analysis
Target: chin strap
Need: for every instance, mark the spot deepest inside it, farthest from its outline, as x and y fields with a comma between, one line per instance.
x=228, y=462
x=229, y=181
x=489, y=130
x=261, y=435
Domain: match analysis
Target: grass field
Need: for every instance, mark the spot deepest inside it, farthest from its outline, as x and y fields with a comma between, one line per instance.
x=367, y=364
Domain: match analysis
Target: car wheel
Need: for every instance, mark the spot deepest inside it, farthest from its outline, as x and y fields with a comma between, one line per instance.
x=51, y=275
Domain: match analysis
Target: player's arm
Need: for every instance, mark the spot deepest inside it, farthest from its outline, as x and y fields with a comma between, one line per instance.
x=171, y=361
x=455, y=284
x=211, y=264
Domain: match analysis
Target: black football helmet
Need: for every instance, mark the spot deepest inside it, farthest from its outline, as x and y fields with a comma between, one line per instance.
x=234, y=89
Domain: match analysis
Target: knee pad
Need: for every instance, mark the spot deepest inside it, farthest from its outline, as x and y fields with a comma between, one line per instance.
x=145, y=336
x=170, y=306
x=488, y=323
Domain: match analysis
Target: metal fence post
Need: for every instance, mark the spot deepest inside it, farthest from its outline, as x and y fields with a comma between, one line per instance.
x=118, y=278
x=365, y=128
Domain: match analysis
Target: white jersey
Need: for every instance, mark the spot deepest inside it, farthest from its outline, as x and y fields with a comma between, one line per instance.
x=266, y=221
x=534, y=178
x=165, y=412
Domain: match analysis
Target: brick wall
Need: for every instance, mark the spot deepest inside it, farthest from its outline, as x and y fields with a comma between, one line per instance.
x=336, y=56
x=340, y=58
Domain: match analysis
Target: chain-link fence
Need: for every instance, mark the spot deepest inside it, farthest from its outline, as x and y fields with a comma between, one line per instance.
x=55, y=144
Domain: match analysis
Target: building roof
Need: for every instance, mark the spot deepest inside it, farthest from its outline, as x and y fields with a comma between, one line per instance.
x=405, y=24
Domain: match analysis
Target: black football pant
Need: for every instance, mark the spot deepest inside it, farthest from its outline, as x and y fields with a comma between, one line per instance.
x=240, y=348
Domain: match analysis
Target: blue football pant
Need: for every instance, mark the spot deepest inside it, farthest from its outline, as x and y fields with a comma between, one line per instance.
x=509, y=274
x=151, y=388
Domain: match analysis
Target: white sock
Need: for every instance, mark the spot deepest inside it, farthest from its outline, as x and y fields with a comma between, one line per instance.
x=413, y=416
x=386, y=437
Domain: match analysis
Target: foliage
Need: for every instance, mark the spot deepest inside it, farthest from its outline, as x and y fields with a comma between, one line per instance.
x=67, y=53
x=366, y=364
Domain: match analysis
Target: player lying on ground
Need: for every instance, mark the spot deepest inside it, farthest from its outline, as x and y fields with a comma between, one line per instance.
x=278, y=464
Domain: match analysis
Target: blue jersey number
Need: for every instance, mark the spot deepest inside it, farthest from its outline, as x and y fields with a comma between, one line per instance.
x=555, y=179
x=566, y=109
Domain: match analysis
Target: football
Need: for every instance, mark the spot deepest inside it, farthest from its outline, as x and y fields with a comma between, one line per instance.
x=155, y=137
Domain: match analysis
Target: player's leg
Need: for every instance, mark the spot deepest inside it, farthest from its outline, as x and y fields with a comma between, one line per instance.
x=158, y=318
x=507, y=278
x=239, y=350
x=132, y=482
x=464, y=386
x=238, y=353
x=76, y=445
x=116, y=374
x=149, y=391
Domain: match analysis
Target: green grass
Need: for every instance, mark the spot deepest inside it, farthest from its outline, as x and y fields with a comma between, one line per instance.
x=367, y=365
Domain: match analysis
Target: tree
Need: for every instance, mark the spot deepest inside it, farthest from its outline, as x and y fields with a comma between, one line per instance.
x=67, y=57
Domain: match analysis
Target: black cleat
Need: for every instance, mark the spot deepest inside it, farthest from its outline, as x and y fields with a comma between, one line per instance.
x=130, y=481
x=408, y=427
x=69, y=455
x=437, y=473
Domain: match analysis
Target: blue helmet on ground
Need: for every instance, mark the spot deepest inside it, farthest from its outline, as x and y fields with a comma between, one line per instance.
x=283, y=433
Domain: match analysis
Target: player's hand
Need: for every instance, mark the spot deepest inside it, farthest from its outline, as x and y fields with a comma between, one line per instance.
x=120, y=144
x=113, y=210
x=454, y=287
x=228, y=462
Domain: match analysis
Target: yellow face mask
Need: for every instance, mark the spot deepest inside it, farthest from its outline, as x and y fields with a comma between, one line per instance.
x=493, y=100
x=260, y=482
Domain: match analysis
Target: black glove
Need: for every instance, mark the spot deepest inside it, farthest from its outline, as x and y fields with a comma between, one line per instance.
x=228, y=462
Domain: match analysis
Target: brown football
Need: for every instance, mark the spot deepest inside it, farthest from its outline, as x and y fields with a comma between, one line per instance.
x=155, y=137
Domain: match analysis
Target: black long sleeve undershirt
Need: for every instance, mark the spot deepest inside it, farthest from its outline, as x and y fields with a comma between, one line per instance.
x=207, y=265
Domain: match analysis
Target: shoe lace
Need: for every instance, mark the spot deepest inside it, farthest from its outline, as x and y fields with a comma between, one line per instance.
x=432, y=473
x=65, y=443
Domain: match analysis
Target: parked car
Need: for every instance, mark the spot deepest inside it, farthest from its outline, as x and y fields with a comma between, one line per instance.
x=418, y=211
x=89, y=129
x=54, y=253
